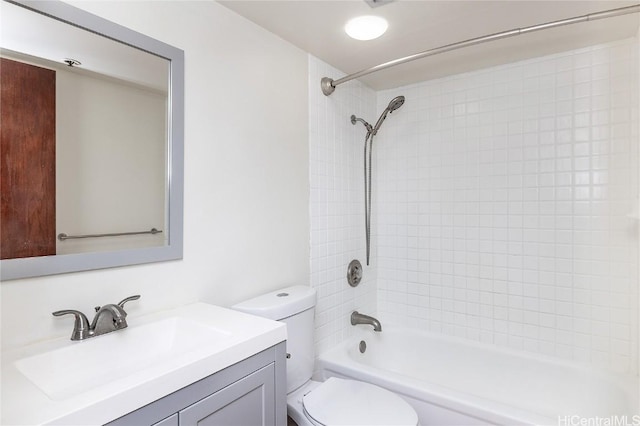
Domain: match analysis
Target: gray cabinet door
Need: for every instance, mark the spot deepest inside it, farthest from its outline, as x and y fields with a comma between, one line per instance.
x=248, y=402
x=169, y=421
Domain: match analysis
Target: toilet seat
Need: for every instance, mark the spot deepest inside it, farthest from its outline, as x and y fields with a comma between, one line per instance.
x=350, y=402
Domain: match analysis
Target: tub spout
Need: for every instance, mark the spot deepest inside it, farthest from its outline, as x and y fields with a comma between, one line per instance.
x=358, y=318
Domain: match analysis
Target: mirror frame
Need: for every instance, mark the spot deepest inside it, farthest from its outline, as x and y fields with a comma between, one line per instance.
x=11, y=269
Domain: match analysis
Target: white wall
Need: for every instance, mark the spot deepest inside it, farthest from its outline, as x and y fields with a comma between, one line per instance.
x=110, y=162
x=637, y=115
x=336, y=150
x=503, y=197
x=246, y=201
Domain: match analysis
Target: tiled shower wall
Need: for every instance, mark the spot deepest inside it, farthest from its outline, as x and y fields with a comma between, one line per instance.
x=337, y=203
x=503, y=203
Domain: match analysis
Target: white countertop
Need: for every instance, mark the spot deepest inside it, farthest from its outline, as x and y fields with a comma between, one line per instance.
x=23, y=402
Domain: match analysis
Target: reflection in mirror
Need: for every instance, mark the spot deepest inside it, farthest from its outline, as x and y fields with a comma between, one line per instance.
x=102, y=154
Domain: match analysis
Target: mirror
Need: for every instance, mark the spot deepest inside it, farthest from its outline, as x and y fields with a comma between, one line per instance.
x=108, y=143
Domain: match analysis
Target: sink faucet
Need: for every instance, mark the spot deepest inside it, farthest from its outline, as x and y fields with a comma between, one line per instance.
x=358, y=318
x=108, y=318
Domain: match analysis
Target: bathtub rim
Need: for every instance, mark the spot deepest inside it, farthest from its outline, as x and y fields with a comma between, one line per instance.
x=627, y=380
x=439, y=396
x=336, y=361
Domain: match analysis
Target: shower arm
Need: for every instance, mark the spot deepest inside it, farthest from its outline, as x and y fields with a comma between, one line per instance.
x=329, y=85
x=355, y=119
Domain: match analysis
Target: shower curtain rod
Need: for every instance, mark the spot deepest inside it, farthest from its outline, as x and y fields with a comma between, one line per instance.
x=328, y=85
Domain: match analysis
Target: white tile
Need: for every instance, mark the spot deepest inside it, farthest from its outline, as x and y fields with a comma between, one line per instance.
x=501, y=198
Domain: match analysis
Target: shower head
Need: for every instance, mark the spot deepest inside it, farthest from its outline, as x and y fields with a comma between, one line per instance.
x=393, y=105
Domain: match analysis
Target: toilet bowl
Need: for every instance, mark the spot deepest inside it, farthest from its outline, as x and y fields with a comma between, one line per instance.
x=334, y=401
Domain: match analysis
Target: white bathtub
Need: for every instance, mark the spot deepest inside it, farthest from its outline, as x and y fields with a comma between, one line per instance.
x=451, y=381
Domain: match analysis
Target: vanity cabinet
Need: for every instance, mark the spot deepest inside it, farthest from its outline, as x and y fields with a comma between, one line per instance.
x=250, y=392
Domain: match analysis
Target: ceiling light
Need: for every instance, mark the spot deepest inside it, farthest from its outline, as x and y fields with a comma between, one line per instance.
x=72, y=62
x=366, y=27
x=376, y=3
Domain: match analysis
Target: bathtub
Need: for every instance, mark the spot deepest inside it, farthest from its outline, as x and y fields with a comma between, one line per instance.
x=451, y=381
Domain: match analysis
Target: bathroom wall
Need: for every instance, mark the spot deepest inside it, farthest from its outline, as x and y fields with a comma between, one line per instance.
x=336, y=150
x=504, y=201
x=246, y=203
x=105, y=183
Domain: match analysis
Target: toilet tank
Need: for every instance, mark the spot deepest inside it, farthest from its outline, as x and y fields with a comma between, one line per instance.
x=295, y=307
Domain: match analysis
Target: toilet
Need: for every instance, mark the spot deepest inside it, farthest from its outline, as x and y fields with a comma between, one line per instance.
x=334, y=401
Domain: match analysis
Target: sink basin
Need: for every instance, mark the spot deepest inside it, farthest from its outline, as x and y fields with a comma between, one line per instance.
x=84, y=365
x=98, y=380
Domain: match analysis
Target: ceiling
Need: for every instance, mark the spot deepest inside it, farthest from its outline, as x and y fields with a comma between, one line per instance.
x=39, y=39
x=316, y=26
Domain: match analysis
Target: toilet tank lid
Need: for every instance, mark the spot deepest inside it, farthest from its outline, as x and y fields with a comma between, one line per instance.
x=281, y=303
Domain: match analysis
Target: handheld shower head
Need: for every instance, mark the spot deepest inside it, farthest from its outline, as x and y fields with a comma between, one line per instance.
x=393, y=105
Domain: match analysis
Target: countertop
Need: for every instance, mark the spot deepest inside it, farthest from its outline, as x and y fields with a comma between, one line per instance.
x=25, y=403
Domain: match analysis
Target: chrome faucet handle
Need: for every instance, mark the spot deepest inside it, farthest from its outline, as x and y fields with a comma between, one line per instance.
x=81, y=328
x=128, y=299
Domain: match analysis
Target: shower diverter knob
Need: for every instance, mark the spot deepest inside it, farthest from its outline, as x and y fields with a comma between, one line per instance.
x=354, y=273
